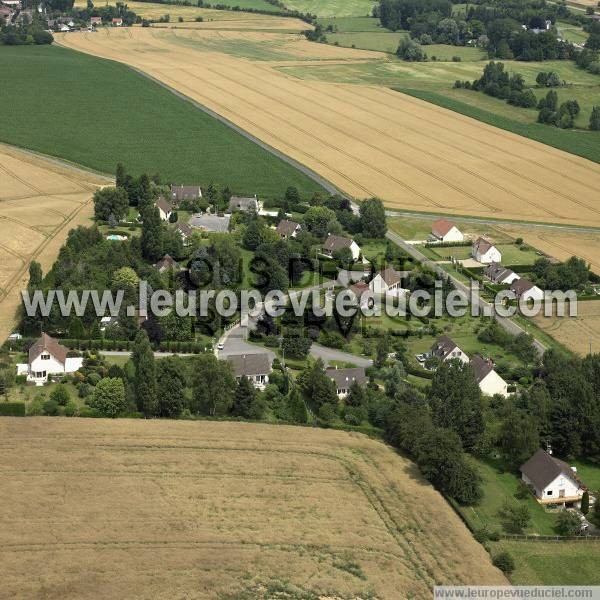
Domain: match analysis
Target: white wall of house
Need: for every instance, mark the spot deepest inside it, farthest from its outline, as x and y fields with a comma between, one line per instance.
x=535, y=293
x=260, y=382
x=493, y=384
x=165, y=216
x=45, y=364
x=454, y=235
x=459, y=354
x=562, y=486
x=492, y=255
x=355, y=249
x=508, y=280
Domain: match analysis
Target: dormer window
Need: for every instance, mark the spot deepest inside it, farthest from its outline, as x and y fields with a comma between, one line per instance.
x=45, y=357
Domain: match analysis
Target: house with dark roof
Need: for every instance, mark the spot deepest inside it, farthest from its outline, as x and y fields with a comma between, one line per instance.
x=243, y=204
x=489, y=382
x=526, y=290
x=500, y=275
x=344, y=378
x=179, y=193
x=184, y=230
x=552, y=480
x=444, y=231
x=164, y=208
x=288, y=229
x=445, y=348
x=388, y=282
x=167, y=263
x=485, y=252
x=48, y=357
x=256, y=367
x=333, y=243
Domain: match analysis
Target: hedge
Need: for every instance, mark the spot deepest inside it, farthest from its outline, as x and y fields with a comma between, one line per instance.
x=12, y=409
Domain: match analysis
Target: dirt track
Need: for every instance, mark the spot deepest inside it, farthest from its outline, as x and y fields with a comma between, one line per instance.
x=366, y=140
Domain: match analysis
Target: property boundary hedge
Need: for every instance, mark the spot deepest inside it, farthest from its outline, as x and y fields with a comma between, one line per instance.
x=12, y=409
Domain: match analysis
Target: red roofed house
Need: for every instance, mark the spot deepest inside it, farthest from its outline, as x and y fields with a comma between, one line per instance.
x=445, y=231
x=95, y=21
x=48, y=357
x=117, y=22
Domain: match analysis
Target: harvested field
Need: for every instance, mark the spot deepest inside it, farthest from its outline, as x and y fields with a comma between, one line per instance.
x=173, y=509
x=40, y=201
x=579, y=334
x=367, y=140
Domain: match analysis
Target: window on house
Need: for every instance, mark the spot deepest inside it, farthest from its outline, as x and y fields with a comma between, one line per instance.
x=45, y=357
x=549, y=492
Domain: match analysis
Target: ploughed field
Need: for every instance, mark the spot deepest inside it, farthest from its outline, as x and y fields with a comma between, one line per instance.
x=175, y=509
x=40, y=201
x=367, y=140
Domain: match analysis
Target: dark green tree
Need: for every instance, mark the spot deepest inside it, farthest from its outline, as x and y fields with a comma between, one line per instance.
x=519, y=437
x=372, y=218
x=170, y=392
x=145, y=374
x=152, y=238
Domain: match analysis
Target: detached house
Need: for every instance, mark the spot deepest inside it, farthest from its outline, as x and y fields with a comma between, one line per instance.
x=256, y=367
x=387, y=282
x=185, y=231
x=553, y=481
x=117, y=22
x=485, y=252
x=344, y=378
x=445, y=348
x=94, y=21
x=288, y=229
x=165, y=210
x=48, y=357
x=363, y=294
x=166, y=263
x=333, y=243
x=445, y=231
x=185, y=192
x=498, y=274
x=526, y=290
x=489, y=382
x=243, y=204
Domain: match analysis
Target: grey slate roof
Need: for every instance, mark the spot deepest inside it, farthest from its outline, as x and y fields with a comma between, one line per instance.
x=443, y=346
x=542, y=469
x=287, y=228
x=336, y=242
x=343, y=378
x=185, y=192
x=50, y=345
x=497, y=273
x=249, y=365
x=237, y=203
x=482, y=368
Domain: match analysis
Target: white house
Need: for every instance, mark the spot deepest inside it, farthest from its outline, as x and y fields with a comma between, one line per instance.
x=526, y=290
x=553, y=481
x=489, y=382
x=445, y=231
x=445, y=348
x=344, y=378
x=498, y=274
x=256, y=367
x=334, y=243
x=48, y=357
x=185, y=231
x=485, y=252
x=165, y=210
x=387, y=282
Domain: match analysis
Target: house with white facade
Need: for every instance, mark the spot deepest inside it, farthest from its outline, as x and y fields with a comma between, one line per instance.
x=444, y=231
x=288, y=229
x=388, y=282
x=185, y=231
x=165, y=210
x=333, y=243
x=256, y=367
x=526, y=290
x=485, y=252
x=552, y=480
x=500, y=275
x=489, y=382
x=444, y=348
x=48, y=357
x=344, y=378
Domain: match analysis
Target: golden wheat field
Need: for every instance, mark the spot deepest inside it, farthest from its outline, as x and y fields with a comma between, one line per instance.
x=40, y=201
x=581, y=334
x=367, y=140
x=173, y=509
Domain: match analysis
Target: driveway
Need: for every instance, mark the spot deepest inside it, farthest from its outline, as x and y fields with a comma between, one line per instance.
x=330, y=354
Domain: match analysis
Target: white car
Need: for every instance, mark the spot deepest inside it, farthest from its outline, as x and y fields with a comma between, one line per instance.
x=220, y=346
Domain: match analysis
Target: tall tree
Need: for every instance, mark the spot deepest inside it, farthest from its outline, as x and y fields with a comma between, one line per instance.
x=170, y=393
x=245, y=401
x=108, y=397
x=316, y=387
x=213, y=387
x=519, y=437
x=145, y=374
x=152, y=240
x=372, y=218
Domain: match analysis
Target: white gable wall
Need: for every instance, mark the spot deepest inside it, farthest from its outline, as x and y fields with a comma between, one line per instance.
x=454, y=235
x=493, y=384
x=492, y=255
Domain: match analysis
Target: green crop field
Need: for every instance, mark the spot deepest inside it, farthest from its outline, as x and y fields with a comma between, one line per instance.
x=352, y=24
x=382, y=41
x=96, y=113
x=332, y=8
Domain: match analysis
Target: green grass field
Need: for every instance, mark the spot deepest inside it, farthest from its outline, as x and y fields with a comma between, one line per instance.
x=511, y=254
x=381, y=41
x=243, y=4
x=352, y=24
x=96, y=113
x=332, y=8
x=572, y=33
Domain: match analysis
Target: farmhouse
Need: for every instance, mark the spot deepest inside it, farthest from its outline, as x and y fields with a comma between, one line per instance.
x=333, y=243
x=526, y=290
x=490, y=383
x=485, y=252
x=256, y=367
x=185, y=192
x=165, y=210
x=287, y=229
x=48, y=357
x=445, y=231
x=208, y=222
x=498, y=274
x=344, y=378
x=184, y=230
x=445, y=348
x=243, y=204
x=166, y=263
x=387, y=282
x=552, y=480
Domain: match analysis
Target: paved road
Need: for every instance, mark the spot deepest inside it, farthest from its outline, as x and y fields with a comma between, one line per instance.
x=329, y=354
x=485, y=307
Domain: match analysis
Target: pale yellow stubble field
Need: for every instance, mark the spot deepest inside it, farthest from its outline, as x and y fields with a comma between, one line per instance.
x=167, y=509
x=368, y=140
x=40, y=201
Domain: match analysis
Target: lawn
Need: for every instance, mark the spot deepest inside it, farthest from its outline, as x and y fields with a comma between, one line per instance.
x=88, y=111
x=500, y=487
x=332, y=8
x=511, y=254
x=553, y=563
x=382, y=41
x=352, y=24
x=572, y=33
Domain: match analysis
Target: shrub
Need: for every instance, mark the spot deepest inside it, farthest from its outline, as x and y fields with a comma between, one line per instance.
x=568, y=523
x=71, y=409
x=505, y=562
x=456, y=59
x=50, y=408
x=60, y=395
x=12, y=409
